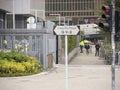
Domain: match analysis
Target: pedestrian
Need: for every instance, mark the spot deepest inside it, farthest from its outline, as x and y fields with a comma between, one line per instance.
x=85, y=41
x=87, y=47
x=97, y=47
x=81, y=44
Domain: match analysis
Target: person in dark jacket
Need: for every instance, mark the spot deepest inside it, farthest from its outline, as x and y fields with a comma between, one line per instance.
x=97, y=47
x=87, y=47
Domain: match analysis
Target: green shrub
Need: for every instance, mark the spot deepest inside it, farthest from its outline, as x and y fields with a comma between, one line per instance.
x=18, y=64
x=108, y=47
x=11, y=67
x=28, y=67
x=14, y=56
x=72, y=41
x=21, y=58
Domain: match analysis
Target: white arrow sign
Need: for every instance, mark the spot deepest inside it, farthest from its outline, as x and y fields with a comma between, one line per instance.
x=66, y=30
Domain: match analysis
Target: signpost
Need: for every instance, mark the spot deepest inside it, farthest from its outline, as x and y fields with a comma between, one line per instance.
x=66, y=30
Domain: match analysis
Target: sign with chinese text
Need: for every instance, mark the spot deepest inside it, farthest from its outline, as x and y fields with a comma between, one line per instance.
x=66, y=30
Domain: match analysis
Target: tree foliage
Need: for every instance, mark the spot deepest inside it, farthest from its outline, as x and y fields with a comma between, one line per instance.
x=15, y=64
x=72, y=41
x=117, y=3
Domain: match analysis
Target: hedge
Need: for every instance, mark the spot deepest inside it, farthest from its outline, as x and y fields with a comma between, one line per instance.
x=72, y=41
x=16, y=64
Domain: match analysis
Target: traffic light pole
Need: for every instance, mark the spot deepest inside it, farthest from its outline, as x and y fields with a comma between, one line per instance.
x=113, y=44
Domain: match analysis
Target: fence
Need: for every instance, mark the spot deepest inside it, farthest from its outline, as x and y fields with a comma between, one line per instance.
x=32, y=42
x=107, y=55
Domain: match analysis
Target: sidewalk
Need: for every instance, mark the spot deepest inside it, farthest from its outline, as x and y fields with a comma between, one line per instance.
x=87, y=59
x=90, y=75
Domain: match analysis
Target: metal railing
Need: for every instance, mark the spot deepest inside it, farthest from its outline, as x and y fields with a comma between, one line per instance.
x=35, y=42
x=107, y=55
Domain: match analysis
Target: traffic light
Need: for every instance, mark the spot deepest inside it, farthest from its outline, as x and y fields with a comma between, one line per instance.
x=117, y=25
x=107, y=16
x=117, y=21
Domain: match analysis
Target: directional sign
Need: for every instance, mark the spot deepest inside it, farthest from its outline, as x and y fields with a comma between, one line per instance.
x=66, y=30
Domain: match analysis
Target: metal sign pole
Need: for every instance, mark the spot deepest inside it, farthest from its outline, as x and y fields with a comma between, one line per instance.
x=66, y=61
x=113, y=44
x=66, y=30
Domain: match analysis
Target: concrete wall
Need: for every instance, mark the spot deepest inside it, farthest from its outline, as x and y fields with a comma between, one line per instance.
x=18, y=6
x=22, y=6
x=6, y=5
x=71, y=55
x=37, y=4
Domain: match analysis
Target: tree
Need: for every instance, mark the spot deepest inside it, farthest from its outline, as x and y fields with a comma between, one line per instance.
x=117, y=3
x=82, y=34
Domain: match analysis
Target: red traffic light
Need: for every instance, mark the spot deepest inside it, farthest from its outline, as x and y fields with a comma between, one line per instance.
x=107, y=16
x=106, y=9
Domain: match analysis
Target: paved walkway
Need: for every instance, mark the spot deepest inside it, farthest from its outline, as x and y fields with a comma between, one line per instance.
x=87, y=59
x=86, y=72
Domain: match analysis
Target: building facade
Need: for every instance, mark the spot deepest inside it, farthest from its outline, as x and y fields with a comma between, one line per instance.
x=15, y=16
x=79, y=11
x=75, y=11
x=14, y=13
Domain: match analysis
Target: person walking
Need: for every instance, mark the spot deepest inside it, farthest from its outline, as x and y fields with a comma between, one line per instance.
x=81, y=44
x=97, y=47
x=87, y=47
x=85, y=41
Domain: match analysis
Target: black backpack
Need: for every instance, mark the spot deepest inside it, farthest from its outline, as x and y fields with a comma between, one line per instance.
x=87, y=46
x=97, y=46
